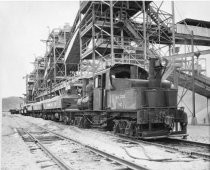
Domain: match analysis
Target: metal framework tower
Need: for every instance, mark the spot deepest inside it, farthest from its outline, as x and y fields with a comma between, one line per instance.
x=38, y=76
x=122, y=32
x=106, y=33
x=54, y=57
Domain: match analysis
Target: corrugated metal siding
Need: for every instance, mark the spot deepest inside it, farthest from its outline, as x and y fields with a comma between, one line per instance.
x=183, y=29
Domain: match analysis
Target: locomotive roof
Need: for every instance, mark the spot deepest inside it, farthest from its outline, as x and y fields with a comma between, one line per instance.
x=117, y=65
x=89, y=76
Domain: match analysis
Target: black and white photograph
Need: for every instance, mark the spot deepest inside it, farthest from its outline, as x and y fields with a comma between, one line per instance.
x=105, y=85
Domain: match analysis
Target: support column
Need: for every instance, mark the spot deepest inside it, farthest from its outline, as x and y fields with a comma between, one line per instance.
x=54, y=57
x=173, y=44
x=65, y=69
x=122, y=43
x=65, y=74
x=194, y=119
x=208, y=115
x=93, y=36
x=112, y=32
x=169, y=50
x=145, y=36
x=80, y=42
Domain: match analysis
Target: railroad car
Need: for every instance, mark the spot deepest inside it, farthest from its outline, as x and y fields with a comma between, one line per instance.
x=14, y=111
x=124, y=98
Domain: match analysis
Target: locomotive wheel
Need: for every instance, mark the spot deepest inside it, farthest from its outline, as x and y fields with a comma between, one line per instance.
x=116, y=127
x=71, y=121
x=86, y=123
x=130, y=128
x=110, y=125
x=53, y=117
x=48, y=117
x=44, y=116
x=66, y=120
x=61, y=118
x=56, y=117
x=122, y=126
x=81, y=122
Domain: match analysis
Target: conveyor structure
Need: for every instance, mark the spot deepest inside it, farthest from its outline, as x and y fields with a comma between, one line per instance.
x=105, y=33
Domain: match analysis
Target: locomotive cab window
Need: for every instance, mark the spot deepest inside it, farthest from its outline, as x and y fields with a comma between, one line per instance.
x=123, y=74
x=128, y=72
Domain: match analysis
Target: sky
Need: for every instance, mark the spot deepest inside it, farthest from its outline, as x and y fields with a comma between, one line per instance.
x=23, y=24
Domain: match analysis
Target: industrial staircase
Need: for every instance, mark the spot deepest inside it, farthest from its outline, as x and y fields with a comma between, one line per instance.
x=155, y=16
x=132, y=29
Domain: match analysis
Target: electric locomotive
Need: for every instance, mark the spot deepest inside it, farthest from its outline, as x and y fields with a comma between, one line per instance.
x=124, y=98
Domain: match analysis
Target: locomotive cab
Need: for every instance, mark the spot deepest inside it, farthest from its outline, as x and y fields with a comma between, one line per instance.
x=139, y=104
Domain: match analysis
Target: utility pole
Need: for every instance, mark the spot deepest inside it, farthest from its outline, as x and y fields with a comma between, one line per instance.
x=194, y=119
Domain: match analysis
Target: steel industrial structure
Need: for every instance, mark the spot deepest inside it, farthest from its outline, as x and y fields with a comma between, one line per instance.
x=108, y=32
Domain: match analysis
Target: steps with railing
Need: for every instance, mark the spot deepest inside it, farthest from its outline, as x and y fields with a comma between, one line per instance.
x=158, y=16
x=132, y=30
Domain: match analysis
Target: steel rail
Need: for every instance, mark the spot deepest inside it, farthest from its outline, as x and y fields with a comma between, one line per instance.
x=137, y=141
x=191, y=142
x=58, y=161
x=114, y=158
x=190, y=153
x=122, y=161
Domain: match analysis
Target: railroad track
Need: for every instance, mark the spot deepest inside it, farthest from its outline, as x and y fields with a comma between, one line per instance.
x=62, y=165
x=185, y=146
x=113, y=158
x=190, y=148
x=185, y=149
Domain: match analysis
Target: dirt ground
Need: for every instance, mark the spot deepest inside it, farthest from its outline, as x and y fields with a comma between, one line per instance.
x=16, y=155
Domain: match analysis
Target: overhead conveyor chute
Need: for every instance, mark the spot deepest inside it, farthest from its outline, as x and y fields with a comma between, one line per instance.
x=72, y=54
x=202, y=83
x=174, y=61
x=176, y=56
